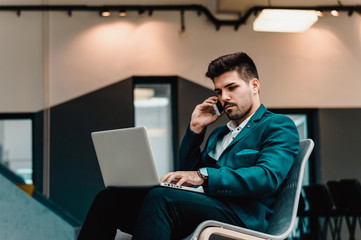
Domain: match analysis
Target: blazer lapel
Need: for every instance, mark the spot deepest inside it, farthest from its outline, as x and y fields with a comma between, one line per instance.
x=252, y=123
x=214, y=137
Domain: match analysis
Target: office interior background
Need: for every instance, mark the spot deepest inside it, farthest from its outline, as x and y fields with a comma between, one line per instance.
x=65, y=74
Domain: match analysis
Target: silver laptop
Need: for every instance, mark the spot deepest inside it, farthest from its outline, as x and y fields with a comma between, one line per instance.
x=126, y=159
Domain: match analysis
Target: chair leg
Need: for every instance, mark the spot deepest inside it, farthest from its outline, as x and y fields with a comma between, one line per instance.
x=324, y=228
x=351, y=225
x=336, y=229
x=301, y=227
x=339, y=230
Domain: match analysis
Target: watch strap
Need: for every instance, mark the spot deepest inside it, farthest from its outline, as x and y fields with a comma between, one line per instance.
x=201, y=175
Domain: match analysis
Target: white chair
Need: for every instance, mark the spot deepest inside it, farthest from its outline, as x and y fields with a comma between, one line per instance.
x=285, y=209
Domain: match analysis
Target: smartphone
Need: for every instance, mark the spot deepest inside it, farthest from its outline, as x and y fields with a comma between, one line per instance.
x=218, y=108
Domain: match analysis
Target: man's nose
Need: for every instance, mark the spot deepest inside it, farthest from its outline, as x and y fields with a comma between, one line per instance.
x=225, y=97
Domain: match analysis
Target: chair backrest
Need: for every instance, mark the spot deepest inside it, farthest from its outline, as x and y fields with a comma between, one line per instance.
x=319, y=199
x=337, y=195
x=346, y=194
x=351, y=189
x=285, y=208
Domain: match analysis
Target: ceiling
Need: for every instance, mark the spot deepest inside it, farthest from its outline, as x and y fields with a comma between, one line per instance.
x=243, y=5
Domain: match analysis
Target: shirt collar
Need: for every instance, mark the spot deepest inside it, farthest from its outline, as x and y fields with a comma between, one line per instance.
x=232, y=125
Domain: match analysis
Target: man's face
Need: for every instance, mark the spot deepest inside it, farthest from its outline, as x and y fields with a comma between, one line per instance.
x=236, y=95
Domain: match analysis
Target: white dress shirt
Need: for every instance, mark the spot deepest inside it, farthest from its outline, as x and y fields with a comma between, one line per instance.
x=227, y=139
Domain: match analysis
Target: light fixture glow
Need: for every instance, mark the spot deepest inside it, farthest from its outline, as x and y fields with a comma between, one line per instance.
x=105, y=13
x=284, y=20
x=143, y=93
x=335, y=13
x=122, y=13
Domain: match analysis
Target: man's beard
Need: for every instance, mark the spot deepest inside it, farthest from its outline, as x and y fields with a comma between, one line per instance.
x=237, y=113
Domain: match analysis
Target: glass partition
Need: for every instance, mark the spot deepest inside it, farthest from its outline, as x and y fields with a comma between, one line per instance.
x=153, y=110
x=16, y=147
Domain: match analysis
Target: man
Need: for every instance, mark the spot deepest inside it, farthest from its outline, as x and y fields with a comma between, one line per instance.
x=242, y=167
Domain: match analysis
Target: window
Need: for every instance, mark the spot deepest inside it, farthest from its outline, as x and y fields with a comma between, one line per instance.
x=16, y=148
x=153, y=110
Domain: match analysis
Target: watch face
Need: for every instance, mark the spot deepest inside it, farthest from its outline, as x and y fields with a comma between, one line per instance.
x=204, y=171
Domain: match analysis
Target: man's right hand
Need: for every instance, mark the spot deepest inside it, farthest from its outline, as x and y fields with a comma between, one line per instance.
x=202, y=115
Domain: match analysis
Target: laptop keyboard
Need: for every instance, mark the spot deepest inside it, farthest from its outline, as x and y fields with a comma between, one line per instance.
x=192, y=189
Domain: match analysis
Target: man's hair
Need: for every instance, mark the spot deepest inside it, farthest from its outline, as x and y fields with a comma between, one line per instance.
x=239, y=61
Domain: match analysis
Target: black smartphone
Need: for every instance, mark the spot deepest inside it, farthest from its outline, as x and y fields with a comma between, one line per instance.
x=218, y=108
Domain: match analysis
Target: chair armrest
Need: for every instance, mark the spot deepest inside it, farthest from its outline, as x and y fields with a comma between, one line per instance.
x=229, y=234
x=213, y=225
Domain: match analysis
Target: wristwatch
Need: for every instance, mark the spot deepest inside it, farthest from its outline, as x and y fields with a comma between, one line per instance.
x=203, y=173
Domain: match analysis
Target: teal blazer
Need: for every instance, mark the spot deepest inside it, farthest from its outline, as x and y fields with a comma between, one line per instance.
x=250, y=171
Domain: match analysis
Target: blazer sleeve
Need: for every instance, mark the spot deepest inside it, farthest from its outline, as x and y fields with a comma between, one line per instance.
x=190, y=156
x=278, y=146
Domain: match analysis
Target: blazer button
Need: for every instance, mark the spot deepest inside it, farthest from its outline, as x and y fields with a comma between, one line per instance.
x=248, y=126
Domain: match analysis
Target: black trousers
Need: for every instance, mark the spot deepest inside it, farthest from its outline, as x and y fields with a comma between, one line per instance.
x=153, y=213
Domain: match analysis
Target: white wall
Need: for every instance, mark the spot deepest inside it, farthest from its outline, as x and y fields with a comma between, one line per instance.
x=21, y=61
x=318, y=68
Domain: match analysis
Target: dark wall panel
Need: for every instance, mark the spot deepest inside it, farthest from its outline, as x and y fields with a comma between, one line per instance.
x=340, y=134
x=75, y=176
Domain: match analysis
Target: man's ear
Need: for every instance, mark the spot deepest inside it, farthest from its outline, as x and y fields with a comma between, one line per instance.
x=254, y=84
